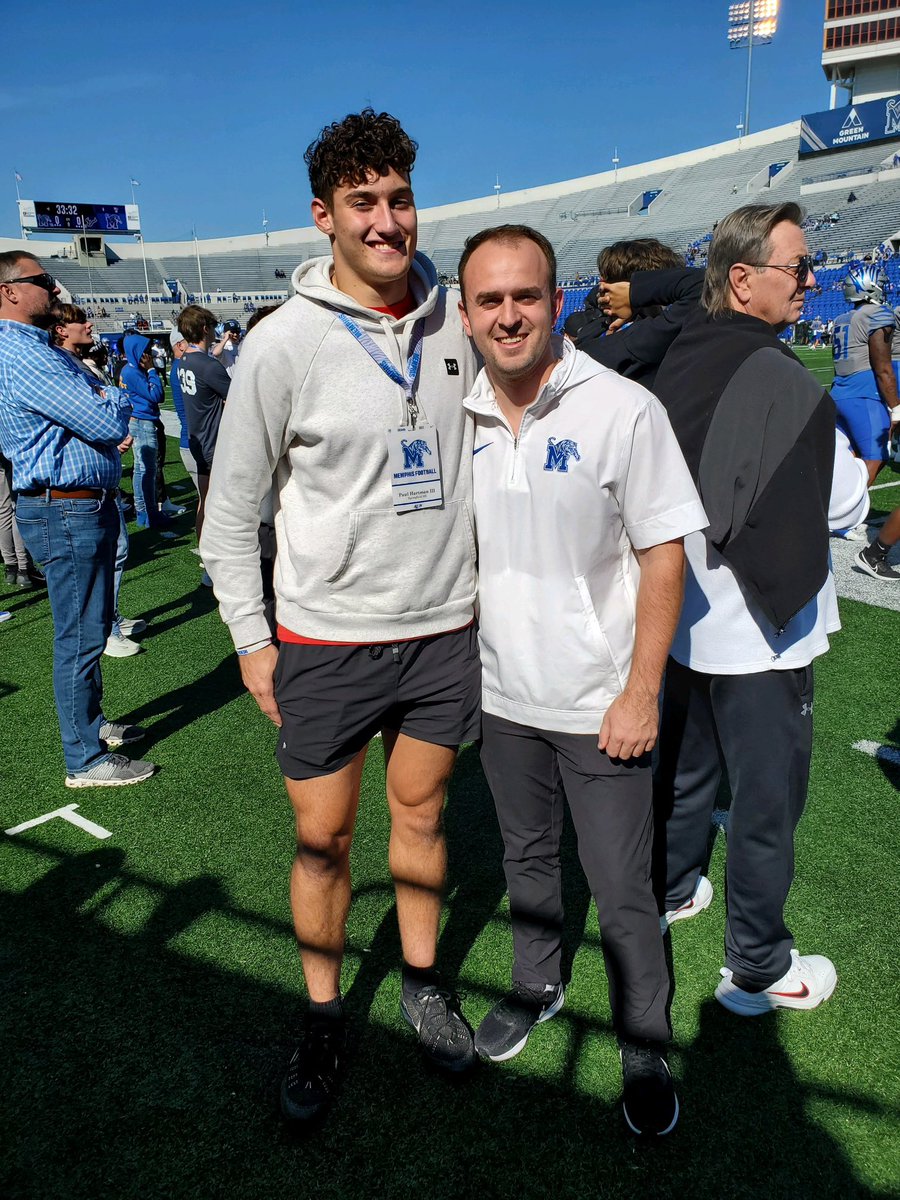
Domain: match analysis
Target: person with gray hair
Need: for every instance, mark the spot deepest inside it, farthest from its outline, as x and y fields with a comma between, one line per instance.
x=774, y=474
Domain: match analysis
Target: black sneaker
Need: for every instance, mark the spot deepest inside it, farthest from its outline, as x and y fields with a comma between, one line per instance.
x=648, y=1093
x=504, y=1031
x=874, y=564
x=444, y=1033
x=11, y=574
x=313, y=1073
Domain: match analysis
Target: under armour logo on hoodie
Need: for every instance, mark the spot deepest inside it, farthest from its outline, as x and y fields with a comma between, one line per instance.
x=452, y=366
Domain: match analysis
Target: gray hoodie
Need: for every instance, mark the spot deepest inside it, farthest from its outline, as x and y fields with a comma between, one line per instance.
x=309, y=410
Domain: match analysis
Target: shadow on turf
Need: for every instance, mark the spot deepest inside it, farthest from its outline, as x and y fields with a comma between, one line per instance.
x=134, y=1070
x=475, y=887
x=184, y=705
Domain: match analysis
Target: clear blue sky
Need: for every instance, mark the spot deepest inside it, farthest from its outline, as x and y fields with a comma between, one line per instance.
x=212, y=112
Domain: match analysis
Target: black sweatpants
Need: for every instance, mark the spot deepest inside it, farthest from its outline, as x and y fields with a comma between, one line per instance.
x=531, y=772
x=759, y=729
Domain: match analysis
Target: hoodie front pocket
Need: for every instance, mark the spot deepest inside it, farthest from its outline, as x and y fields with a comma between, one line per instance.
x=352, y=526
x=404, y=563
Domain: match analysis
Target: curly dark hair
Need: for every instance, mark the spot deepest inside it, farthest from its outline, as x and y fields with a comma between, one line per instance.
x=346, y=151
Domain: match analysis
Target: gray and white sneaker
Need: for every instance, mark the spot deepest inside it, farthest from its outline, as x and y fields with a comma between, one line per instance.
x=172, y=510
x=120, y=646
x=505, y=1030
x=115, y=771
x=119, y=734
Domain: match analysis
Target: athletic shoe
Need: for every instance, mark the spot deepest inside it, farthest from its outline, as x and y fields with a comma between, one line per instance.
x=648, y=1092
x=172, y=510
x=131, y=625
x=809, y=982
x=857, y=533
x=119, y=734
x=504, y=1031
x=875, y=565
x=119, y=646
x=444, y=1033
x=24, y=582
x=701, y=899
x=4, y=615
x=12, y=574
x=115, y=771
x=314, y=1071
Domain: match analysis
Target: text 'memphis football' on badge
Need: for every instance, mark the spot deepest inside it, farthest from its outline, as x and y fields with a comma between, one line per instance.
x=414, y=459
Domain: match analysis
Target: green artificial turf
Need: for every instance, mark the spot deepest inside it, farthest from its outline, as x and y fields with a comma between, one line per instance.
x=150, y=986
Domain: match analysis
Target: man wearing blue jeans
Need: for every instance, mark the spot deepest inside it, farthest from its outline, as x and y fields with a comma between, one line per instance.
x=61, y=432
x=145, y=391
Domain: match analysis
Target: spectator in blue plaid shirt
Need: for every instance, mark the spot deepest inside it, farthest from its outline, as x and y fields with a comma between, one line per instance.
x=60, y=428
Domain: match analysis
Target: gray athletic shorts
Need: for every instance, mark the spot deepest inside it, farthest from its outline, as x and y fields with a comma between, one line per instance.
x=334, y=699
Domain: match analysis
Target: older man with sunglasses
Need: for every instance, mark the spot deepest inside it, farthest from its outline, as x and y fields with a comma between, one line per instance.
x=758, y=434
x=60, y=428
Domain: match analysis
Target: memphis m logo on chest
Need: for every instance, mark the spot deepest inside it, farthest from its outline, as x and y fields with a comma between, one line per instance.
x=559, y=453
x=414, y=453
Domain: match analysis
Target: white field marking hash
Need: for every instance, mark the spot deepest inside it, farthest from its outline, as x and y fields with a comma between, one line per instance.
x=875, y=750
x=66, y=814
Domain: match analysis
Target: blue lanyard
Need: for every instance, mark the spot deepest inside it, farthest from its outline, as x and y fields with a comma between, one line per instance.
x=374, y=351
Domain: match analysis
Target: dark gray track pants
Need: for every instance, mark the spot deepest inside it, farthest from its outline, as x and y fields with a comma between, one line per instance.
x=531, y=773
x=758, y=728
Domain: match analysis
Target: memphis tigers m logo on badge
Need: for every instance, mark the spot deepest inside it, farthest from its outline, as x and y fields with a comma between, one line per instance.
x=414, y=453
x=559, y=453
x=892, y=116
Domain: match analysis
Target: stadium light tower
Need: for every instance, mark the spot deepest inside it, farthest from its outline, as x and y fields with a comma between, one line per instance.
x=751, y=23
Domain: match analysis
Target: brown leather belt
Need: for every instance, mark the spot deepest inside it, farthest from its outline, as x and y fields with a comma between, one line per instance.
x=71, y=493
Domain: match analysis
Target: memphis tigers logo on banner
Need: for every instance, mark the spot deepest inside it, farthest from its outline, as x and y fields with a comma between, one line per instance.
x=853, y=125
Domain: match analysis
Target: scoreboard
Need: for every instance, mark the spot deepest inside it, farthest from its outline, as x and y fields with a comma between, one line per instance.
x=46, y=216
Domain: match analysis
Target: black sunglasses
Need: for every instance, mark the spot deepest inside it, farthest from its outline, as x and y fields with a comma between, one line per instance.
x=45, y=281
x=801, y=269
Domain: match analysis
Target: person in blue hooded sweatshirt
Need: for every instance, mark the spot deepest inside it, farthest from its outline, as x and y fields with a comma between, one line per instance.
x=145, y=390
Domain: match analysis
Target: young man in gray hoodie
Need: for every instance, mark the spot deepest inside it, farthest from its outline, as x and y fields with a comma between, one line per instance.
x=349, y=400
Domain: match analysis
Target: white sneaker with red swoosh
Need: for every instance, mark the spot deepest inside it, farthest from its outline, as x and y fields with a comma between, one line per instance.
x=701, y=899
x=809, y=982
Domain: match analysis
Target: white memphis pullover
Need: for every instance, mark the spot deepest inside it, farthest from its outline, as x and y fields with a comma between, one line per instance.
x=594, y=474
x=309, y=409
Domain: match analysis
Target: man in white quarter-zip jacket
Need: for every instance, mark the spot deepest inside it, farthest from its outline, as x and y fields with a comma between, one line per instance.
x=582, y=499
x=349, y=399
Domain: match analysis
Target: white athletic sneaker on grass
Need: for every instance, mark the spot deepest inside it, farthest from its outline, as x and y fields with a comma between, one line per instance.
x=119, y=646
x=701, y=899
x=131, y=625
x=809, y=982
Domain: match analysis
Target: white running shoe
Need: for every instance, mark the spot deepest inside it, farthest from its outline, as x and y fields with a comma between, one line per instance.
x=809, y=982
x=702, y=898
x=857, y=534
x=131, y=625
x=119, y=646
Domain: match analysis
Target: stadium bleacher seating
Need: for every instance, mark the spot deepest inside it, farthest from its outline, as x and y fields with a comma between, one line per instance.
x=856, y=187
